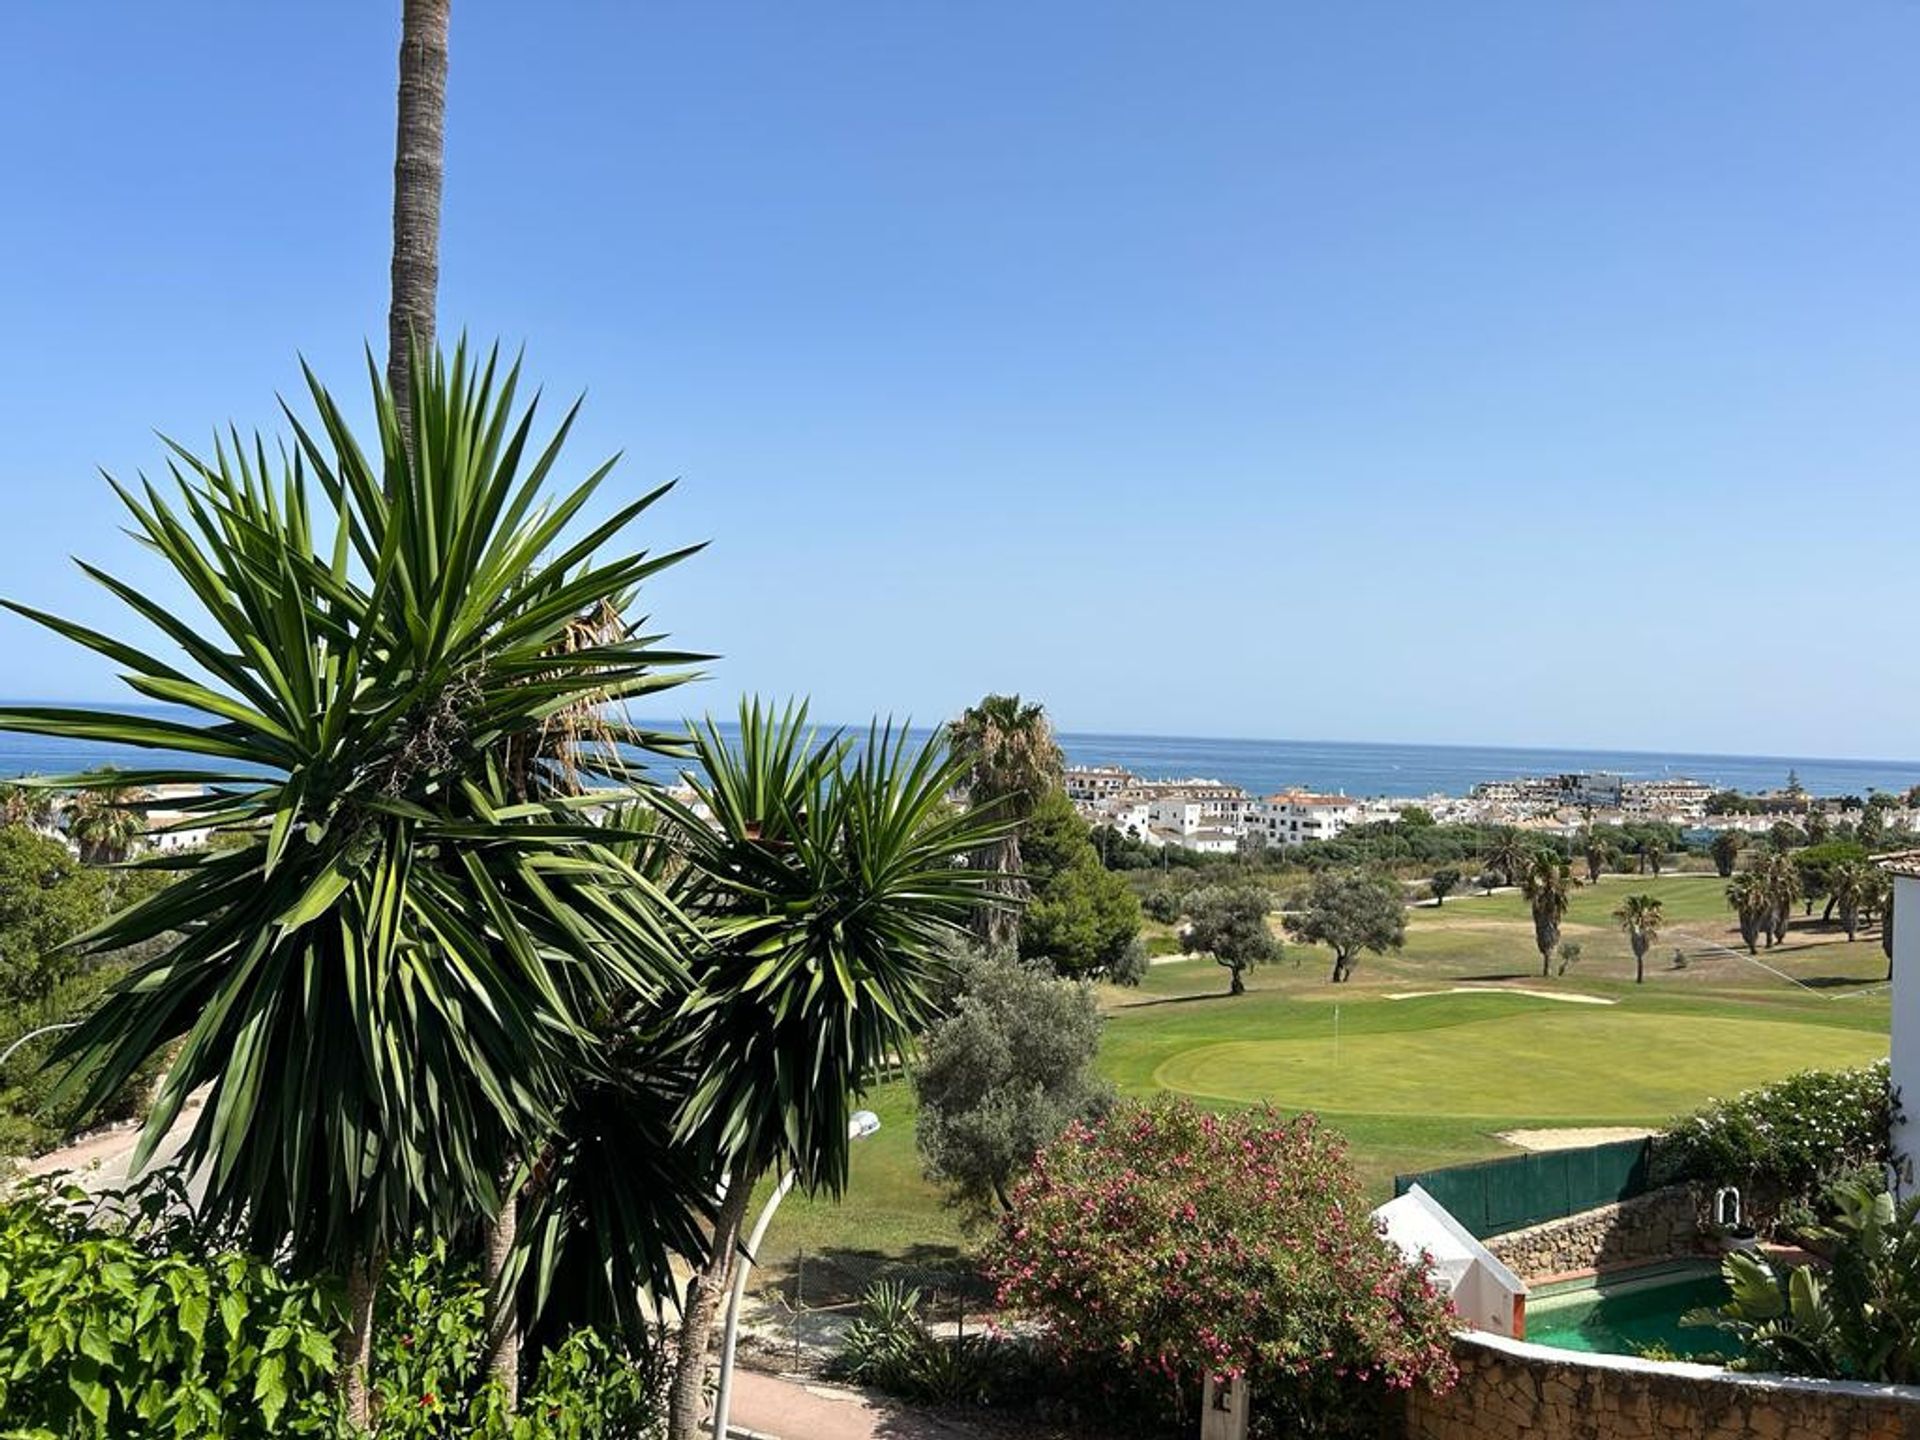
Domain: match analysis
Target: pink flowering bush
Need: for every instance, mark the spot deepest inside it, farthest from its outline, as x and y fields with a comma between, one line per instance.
x=1186, y=1243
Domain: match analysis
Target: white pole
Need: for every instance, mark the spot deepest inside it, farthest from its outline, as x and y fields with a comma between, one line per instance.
x=863, y=1124
x=7, y=1054
x=742, y=1265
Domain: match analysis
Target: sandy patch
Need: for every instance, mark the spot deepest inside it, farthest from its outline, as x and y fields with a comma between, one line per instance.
x=1566, y=995
x=1574, y=1137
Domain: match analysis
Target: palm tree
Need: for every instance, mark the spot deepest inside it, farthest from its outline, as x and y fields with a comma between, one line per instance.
x=1508, y=854
x=388, y=991
x=1781, y=878
x=28, y=803
x=1726, y=851
x=1548, y=885
x=106, y=821
x=1652, y=856
x=827, y=888
x=1753, y=906
x=1596, y=851
x=1640, y=917
x=1851, y=883
x=419, y=165
x=1011, y=761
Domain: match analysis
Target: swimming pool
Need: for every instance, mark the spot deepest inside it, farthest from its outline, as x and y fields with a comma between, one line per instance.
x=1618, y=1315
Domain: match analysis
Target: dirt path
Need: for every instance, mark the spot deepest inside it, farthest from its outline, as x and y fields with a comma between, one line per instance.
x=777, y=1408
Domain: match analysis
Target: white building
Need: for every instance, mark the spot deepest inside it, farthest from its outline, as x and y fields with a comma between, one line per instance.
x=1676, y=796
x=171, y=827
x=1294, y=817
x=1096, y=784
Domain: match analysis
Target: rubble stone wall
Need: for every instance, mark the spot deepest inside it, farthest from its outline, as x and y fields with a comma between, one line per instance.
x=1510, y=1390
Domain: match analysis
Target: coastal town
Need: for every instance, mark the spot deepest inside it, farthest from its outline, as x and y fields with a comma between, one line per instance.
x=1216, y=817
x=980, y=722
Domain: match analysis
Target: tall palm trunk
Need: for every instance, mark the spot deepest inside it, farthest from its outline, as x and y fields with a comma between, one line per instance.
x=419, y=162
x=686, y=1400
x=996, y=922
x=503, y=1329
x=353, y=1375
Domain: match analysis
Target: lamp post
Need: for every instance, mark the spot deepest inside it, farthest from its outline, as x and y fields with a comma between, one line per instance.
x=863, y=1124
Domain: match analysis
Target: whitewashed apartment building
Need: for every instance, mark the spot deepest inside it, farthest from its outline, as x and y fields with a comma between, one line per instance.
x=1294, y=817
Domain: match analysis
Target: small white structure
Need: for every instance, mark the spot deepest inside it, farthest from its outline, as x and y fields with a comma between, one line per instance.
x=1905, y=919
x=1223, y=1410
x=1487, y=1295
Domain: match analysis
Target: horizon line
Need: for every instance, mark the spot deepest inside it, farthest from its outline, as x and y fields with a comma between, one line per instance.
x=1065, y=732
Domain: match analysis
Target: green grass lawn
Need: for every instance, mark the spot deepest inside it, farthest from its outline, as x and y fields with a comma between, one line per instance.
x=1422, y=1082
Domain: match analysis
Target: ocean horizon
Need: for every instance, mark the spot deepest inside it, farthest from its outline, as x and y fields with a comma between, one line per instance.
x=1354, y=767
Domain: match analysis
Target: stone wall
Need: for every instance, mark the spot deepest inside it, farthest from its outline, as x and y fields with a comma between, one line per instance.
x=1657, y=1226
x=1510, y=1390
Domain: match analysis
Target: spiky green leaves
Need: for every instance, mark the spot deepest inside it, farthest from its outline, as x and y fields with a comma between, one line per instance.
x=384, y=991
x=826, y=881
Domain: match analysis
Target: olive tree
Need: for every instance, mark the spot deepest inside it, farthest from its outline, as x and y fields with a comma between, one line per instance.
x=1002, y=1075
x=1350, y=911
x=1229, y=922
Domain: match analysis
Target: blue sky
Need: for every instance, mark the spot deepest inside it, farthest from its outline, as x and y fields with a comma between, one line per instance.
x=1494, y=372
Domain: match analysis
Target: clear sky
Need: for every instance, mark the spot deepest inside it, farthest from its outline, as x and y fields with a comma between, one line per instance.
x=1504, y=372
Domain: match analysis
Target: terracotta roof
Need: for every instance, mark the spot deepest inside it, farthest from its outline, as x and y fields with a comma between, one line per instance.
x=1901, y=862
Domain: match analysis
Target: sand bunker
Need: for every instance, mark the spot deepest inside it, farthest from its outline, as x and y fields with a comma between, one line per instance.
x=1568, y=996
x=1575, y=1137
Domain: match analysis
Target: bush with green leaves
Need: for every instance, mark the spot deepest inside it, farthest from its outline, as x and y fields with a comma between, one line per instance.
x=121, y=1314
x=116, y=1319
x=890, y=1347
x=1132, y=966
x=1786, y=1141
x=432, y=1382
x=1859, y=1320
x=1162, y=904
x=1006, y=1071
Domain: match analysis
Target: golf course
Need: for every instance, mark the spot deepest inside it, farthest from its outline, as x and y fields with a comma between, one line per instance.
x=1432, y=1053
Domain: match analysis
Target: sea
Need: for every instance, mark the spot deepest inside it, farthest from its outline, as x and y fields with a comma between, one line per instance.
x=1260, y=766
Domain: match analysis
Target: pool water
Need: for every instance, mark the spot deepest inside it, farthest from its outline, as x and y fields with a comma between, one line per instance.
x=1618, y=1316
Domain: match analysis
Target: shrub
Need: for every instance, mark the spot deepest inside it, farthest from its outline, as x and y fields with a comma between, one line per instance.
x=115, y=1321
x=1132, y=966
x=120, y=1316
x=430, y=1375
x=1860, y=1320
x=1008, y=1069
x=1161, y=904
x=889, y=1348
x=1181, y=1243
x=1785, y=1141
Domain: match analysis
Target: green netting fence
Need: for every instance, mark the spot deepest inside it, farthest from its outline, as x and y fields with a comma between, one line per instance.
x=1496, y=1196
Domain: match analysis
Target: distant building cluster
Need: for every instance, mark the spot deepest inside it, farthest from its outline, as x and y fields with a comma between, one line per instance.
x=1211, y=816
x=1217, y=818
x=1608, y=795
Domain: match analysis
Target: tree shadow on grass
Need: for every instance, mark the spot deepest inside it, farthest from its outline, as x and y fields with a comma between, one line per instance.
x=1178, y=1000
x=1496, y=977
x=842, y=1274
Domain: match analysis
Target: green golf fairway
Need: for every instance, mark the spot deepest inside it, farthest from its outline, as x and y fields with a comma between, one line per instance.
x=1594, y=1064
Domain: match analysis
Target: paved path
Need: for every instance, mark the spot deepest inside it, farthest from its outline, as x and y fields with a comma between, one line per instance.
x=767, y=1405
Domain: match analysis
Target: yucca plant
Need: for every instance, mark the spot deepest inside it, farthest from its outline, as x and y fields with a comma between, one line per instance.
x=385, y=992
x=828, y=879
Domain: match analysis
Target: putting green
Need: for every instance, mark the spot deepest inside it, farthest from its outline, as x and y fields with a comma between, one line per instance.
x=1593, y=1065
